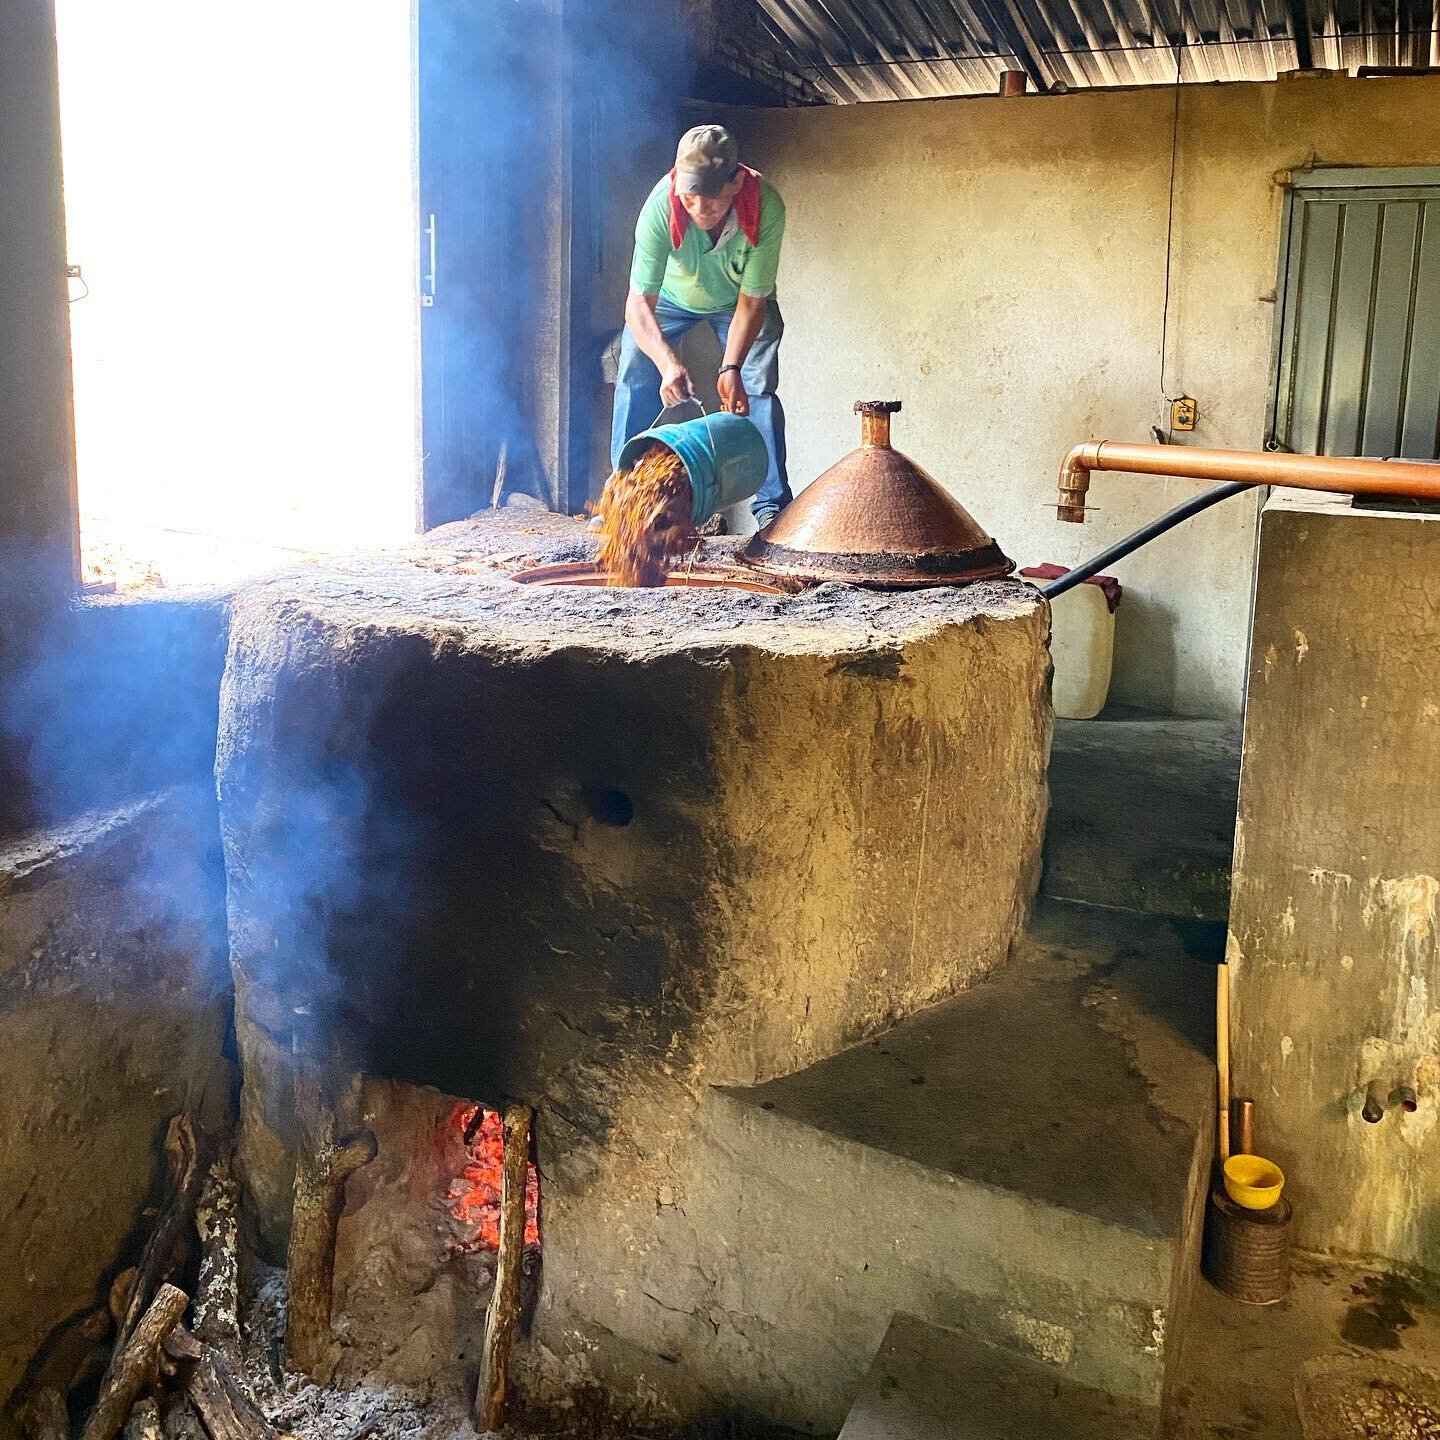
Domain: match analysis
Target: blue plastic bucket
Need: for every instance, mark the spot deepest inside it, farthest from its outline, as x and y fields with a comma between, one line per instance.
x=724, y=456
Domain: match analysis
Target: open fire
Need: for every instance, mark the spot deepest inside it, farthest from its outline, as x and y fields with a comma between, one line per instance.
x=474, y=1195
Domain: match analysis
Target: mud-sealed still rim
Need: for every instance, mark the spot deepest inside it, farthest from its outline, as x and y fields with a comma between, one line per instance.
x=584, y=574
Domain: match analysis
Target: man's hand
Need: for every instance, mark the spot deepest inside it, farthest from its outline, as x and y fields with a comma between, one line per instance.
x=675, y=384
x=732, y=393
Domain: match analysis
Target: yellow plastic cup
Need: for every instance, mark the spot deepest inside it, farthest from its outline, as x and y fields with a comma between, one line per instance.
x=1252, y=1181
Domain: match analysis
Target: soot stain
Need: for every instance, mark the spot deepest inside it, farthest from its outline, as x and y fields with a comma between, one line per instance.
x=881, y=665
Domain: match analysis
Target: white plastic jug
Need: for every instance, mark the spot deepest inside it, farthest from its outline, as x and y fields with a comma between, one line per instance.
x=1082, y=648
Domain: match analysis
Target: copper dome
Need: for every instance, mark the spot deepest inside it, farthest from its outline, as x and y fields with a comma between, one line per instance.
x=876, y=518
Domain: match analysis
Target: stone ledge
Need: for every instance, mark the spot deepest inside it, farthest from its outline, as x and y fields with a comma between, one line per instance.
x=953, y=1168
x=113, y=1011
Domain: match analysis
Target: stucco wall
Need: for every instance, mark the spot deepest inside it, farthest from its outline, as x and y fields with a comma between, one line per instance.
x=1000, y=266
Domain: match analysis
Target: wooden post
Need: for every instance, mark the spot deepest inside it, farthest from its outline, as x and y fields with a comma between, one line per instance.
x=322, y=1167
x=504, y=1309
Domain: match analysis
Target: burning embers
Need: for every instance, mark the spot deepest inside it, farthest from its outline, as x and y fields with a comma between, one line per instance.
x=645, y=519
x=474, y=1195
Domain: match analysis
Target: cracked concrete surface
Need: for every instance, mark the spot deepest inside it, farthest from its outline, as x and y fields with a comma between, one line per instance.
x=1023, y=1162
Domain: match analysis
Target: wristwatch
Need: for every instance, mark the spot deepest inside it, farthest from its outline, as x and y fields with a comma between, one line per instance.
x=724, y=368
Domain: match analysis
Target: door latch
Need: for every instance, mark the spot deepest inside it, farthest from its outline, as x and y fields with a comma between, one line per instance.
x=427, y=281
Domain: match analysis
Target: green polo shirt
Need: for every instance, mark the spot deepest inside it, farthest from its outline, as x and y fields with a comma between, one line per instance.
x=700, y=277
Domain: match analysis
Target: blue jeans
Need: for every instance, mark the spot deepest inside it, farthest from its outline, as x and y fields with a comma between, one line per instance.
x=637, y=391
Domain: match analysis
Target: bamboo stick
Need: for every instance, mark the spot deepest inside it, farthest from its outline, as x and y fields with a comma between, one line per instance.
x=1222, y=1055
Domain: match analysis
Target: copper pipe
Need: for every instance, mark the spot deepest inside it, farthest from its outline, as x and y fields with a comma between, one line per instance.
x=1406, y=1098
x=1336, y=474
x=1373, y=1110
x=1242, y=1126
x=1013, y=82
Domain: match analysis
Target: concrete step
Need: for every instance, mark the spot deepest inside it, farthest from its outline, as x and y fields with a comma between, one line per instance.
x=1142, y=813
x=1024, y=1162
x=933, y=1383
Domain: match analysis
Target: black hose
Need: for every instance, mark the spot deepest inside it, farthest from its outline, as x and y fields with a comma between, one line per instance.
x=1143, y=536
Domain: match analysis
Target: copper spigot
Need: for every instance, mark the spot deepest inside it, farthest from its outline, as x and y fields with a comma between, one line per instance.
x=1334, y=474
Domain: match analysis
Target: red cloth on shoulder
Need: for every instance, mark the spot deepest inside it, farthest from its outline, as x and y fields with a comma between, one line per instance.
x=746, y=206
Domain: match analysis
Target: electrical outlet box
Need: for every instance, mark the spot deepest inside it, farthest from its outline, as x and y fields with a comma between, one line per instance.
x=1184, y=412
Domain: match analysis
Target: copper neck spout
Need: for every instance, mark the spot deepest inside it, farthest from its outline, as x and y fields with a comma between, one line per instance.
x=875, y=422
x=1333, y=474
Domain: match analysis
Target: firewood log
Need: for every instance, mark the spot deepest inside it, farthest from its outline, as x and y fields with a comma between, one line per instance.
x=44, y=1416
x=178, y=1420
x=217, y=1295
x=144, y=1421
x=227, y=1411
x=323, y=1165
x=504, y=1308
x=181, y=1346
x=135, y=1365
x=178, y=1355
x=185, y=1174
x=122, y=1287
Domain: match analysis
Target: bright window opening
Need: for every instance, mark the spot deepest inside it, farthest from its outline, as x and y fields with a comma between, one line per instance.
x=240, y=200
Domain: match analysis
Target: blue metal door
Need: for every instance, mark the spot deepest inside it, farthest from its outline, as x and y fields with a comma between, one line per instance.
x=484, y=175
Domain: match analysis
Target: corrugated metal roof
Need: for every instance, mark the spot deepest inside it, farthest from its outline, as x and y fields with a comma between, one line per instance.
x=858, y=50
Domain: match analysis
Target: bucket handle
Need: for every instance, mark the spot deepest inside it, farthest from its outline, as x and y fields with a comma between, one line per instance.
x=699, y=404
x=688, y=400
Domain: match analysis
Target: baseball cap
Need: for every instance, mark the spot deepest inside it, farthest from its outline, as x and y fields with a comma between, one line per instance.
x=705, y=160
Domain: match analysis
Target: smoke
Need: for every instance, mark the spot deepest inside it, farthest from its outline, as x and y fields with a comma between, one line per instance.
x=333, y=857
x=320, y=854
x=107, y=730
x=541, y=126
x=506, y=89
x=116, y=697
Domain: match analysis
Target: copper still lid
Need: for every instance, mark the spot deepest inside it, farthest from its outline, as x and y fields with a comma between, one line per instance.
x=876, y=518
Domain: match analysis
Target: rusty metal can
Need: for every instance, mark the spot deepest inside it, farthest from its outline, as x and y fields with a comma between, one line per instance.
x=1247, y=1252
